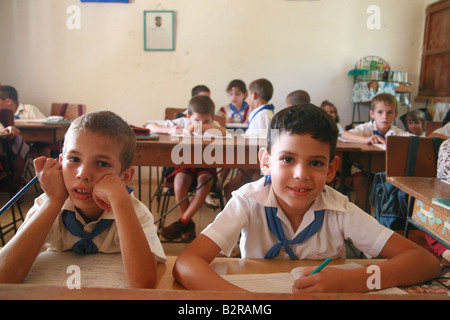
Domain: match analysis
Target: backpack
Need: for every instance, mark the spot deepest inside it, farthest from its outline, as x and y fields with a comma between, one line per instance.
x=391, y=203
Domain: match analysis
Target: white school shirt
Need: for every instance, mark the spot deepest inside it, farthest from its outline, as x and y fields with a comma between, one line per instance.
x=260, y=123
x=27, y=112
x=366, y=130
x=60, y=239
x=245, y=214
x=183, y=122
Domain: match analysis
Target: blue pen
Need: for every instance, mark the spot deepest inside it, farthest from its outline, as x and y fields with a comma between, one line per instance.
x=376, y=132
x=321, y=266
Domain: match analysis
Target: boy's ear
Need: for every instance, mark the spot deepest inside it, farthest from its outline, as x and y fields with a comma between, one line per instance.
x=332, y=168
x=264, y=160
x=127, y=175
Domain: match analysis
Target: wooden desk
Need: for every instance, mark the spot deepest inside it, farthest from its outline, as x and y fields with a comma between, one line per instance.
x=235, y=152
x=41, y=132
x=432, y=219
x=168, y=289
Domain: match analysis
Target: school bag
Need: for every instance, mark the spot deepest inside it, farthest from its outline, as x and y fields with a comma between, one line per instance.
x=391, y=203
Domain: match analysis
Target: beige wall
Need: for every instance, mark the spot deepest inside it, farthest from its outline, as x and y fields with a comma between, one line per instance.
x=307, y=45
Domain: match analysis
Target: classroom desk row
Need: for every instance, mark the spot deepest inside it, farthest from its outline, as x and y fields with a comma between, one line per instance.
x=168, y=289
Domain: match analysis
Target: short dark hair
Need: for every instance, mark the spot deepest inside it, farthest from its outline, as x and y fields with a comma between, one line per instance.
x=201, y=105
x=8, y=92
x=263, y=88
x=200, y=88
x=298, y=97
x=306, y=119
x=237, y=84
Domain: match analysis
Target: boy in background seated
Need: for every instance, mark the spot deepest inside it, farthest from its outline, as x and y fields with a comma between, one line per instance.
x=200, y=109
x=292, y=202
x=383, y=111
x=260, y=114
x=86, y=206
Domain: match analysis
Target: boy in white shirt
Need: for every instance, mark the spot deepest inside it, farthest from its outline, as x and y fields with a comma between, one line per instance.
x=86, y=206
x=9, y=99
x=260, y=92
x=291, y=213
x=383, y=111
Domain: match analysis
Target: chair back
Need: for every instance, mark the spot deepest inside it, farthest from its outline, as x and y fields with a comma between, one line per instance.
x=173, y=113
x=430, y=126
x=6, y=117
x=69, y=111
x=397, y=149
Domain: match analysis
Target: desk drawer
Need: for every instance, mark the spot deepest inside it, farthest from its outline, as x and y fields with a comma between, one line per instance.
x=433, y=218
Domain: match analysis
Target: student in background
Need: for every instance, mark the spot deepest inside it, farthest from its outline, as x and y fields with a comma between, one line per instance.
x=415, y=122
x=201, y=90
x=237, y=109
x=261, y=113
x=292, y=202
x=331, y=109
x=383, y=111
x=9, y=99
x=87, y=206
x=297, y=98
x=201, y=109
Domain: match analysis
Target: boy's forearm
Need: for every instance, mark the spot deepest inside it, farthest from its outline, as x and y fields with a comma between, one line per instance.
x=139, y=262
x=18, y=255
x=346, y=135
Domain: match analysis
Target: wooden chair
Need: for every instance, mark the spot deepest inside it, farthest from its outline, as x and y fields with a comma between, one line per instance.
x=430, y=126
x=397, y=162
x=397, y=157
x=69, y=111
x=173, y=113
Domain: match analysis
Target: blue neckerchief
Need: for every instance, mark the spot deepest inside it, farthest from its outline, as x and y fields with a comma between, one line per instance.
x=85, y=244
x=75, y=227
x=378, y=133
x=275, y=226
x=266, y=107
x=236, y=112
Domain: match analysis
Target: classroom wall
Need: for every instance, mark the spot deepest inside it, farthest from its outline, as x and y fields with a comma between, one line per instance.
x=308, y=45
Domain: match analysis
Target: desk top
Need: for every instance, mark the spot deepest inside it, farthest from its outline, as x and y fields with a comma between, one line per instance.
x=168, y=289
x=422, y=188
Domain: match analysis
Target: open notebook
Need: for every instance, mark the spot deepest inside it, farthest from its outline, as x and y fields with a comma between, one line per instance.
x=272, y=282
x=96, y=270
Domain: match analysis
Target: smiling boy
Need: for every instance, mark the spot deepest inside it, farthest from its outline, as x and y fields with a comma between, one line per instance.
x=86, y=206
x=292, y=213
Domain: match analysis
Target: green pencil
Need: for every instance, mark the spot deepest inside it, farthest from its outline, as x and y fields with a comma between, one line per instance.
x=322, y=265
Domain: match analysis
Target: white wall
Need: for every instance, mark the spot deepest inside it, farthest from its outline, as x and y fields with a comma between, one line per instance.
x=308, y=45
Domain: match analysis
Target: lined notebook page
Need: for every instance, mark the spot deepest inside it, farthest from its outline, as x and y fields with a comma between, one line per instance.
x=96, y=270
x=273, y=282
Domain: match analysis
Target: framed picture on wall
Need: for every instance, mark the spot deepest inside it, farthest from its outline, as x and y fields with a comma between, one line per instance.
x=159, y=31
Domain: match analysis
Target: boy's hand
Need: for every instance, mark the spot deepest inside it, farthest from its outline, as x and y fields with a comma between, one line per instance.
x=109, y=188
x=49, y=173
x=175, y=130
x=376, y=139
x=328, y=279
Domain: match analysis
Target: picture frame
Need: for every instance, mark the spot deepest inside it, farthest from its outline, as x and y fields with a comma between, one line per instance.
x=159, y=30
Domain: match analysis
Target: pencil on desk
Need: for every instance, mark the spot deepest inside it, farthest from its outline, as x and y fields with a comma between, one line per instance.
x=321, y=266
